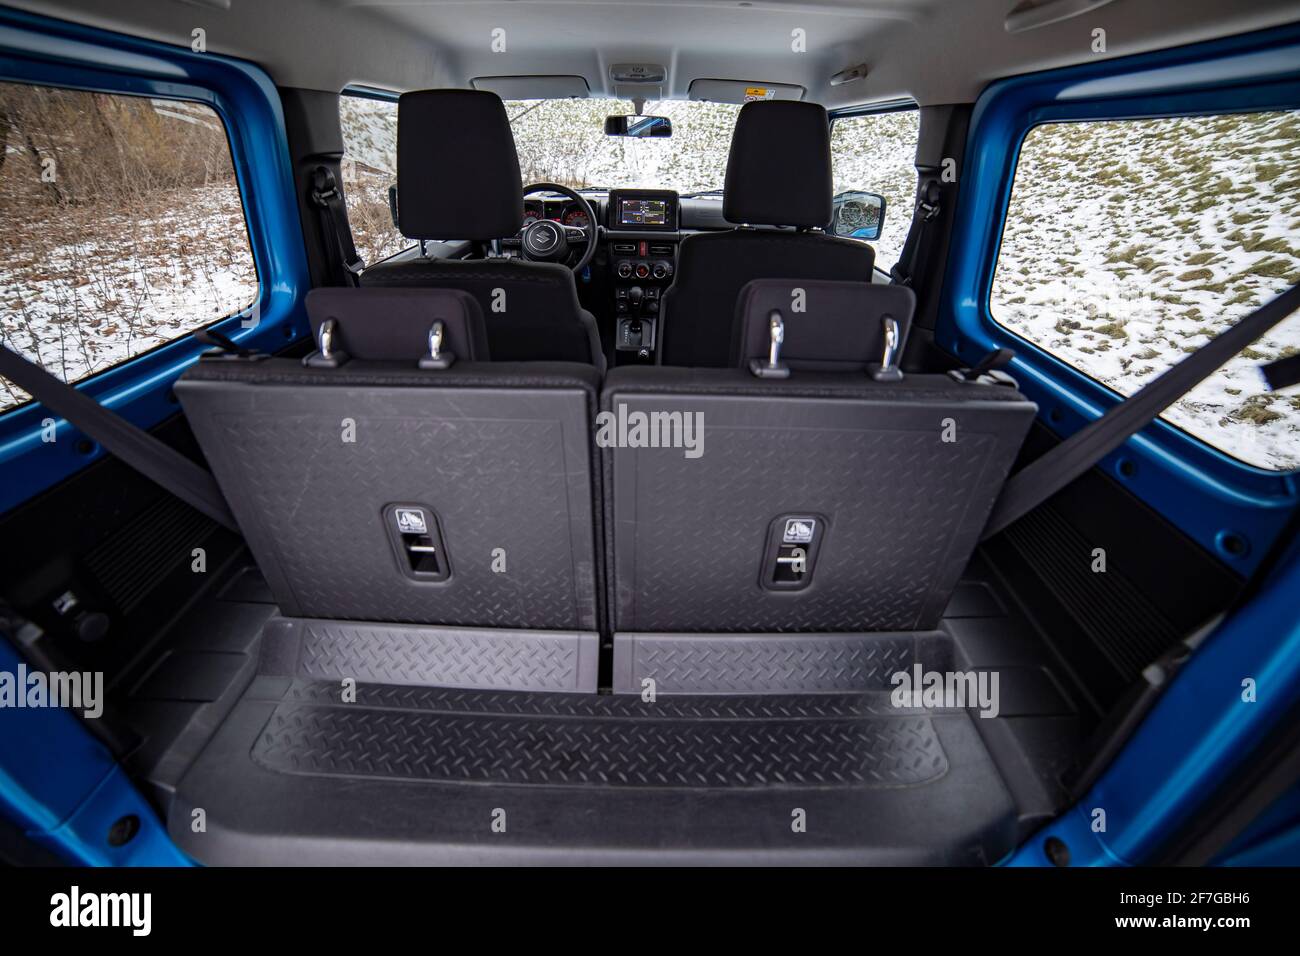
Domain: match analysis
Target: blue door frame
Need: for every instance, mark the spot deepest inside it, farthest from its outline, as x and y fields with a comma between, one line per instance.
x=1207, y=494
x=57, y=781
x=1201, y=729
x=42, y=51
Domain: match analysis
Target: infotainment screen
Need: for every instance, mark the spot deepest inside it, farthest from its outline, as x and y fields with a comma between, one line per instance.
x=643, y=212
x=636, y=209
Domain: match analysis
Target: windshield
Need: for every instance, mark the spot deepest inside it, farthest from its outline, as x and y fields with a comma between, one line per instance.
x=564, y=141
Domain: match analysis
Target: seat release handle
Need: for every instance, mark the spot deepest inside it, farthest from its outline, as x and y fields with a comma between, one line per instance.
x=773, y=367
x=437, y=358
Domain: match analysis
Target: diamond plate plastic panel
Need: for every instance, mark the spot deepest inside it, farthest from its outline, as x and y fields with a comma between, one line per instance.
x=502, y=468
x=385, y=654
x=755, y=744
x=903, y=507
x=769, y=663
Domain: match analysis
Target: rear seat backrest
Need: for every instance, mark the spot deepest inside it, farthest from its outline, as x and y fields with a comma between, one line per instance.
x=830, y=325
x=335, y=473
x=890, y=480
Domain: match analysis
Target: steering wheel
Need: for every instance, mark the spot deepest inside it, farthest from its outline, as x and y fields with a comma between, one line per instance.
x=545, y=240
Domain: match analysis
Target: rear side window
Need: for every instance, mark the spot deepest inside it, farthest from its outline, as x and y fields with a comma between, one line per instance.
x=877, y=153
x=1130, y=243
x=123, y=228
x=369, y=169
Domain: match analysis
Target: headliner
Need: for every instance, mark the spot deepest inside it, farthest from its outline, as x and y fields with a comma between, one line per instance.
x=932, y=51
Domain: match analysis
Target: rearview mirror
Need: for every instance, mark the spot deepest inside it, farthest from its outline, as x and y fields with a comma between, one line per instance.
x=858, y=215
x=639, y=126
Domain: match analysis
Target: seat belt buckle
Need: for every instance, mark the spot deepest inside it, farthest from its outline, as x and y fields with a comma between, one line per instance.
x=226, y=349
x=988, y=371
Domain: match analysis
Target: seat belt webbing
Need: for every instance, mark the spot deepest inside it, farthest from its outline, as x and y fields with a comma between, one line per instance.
x=1044, y=477
x=926, y=211
x=339, y=247
x=136, y=447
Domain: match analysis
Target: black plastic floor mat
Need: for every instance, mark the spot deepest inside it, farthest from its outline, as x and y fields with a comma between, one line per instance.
x=407, y=774
x=602, y=741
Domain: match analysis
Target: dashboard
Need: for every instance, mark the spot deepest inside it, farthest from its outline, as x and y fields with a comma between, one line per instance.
x=632, y=209
x=636, y=257
x=564, y=211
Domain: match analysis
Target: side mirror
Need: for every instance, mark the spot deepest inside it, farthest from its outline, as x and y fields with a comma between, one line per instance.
x=858, y=215
x=638, y=126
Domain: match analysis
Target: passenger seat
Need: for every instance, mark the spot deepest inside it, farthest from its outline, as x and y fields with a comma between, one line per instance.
x=778, y=174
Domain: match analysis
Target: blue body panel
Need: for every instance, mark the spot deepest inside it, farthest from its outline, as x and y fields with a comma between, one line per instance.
x=57, y=781
x=1197, y=735
x=1201, y=490
x=43, y=51
x=63, y=788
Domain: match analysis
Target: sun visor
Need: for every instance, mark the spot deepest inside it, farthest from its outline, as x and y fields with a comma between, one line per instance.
x=742, y=91
x=533, y=87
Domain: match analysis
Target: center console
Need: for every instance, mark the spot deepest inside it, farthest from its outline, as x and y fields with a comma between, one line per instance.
x=642, y=232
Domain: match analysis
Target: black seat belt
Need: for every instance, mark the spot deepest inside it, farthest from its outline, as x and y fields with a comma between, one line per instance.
x=146, y=454
x=1044, y=477
x=335, y=232
x=926, y=211
x=1282, y=373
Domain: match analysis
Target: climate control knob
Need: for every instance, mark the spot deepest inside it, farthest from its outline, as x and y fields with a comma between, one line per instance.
x=625, y=270
x=662, y=270
x=642, y=270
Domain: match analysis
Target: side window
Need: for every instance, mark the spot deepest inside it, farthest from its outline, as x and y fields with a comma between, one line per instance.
x=123, y=228
x=1129, y=243
x=877, y=154
x=369, y=169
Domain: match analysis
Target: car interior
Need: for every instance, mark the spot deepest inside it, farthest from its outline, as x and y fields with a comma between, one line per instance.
x=655, y=520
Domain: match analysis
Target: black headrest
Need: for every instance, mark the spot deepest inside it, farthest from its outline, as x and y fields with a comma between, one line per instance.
x=457, y=169
x=830, y=325
x=384, y=324
x=779, y=167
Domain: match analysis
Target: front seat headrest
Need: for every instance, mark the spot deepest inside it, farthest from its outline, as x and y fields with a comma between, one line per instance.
x=779, y=167
x=457, y=169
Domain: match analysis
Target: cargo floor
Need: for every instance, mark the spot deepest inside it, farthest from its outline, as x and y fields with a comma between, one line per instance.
x=420, y=775
x=285, y=770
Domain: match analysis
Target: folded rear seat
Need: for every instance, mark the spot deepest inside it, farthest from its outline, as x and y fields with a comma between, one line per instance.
x=378, y=490
x=822, y=501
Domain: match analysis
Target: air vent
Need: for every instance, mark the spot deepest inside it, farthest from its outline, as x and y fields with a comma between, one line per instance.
x=661, y=249
x=624, y=248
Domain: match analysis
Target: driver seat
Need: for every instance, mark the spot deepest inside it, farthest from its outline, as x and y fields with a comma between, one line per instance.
x=458, y=178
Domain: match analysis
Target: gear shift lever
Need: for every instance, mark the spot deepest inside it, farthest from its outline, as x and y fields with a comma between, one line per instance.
x=634, y=297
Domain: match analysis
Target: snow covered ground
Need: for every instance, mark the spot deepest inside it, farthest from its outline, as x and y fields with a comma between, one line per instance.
x=90, y=286
x=1129, y=244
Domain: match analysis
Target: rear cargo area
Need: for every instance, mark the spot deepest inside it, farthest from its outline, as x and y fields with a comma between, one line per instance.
x=280, y=740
